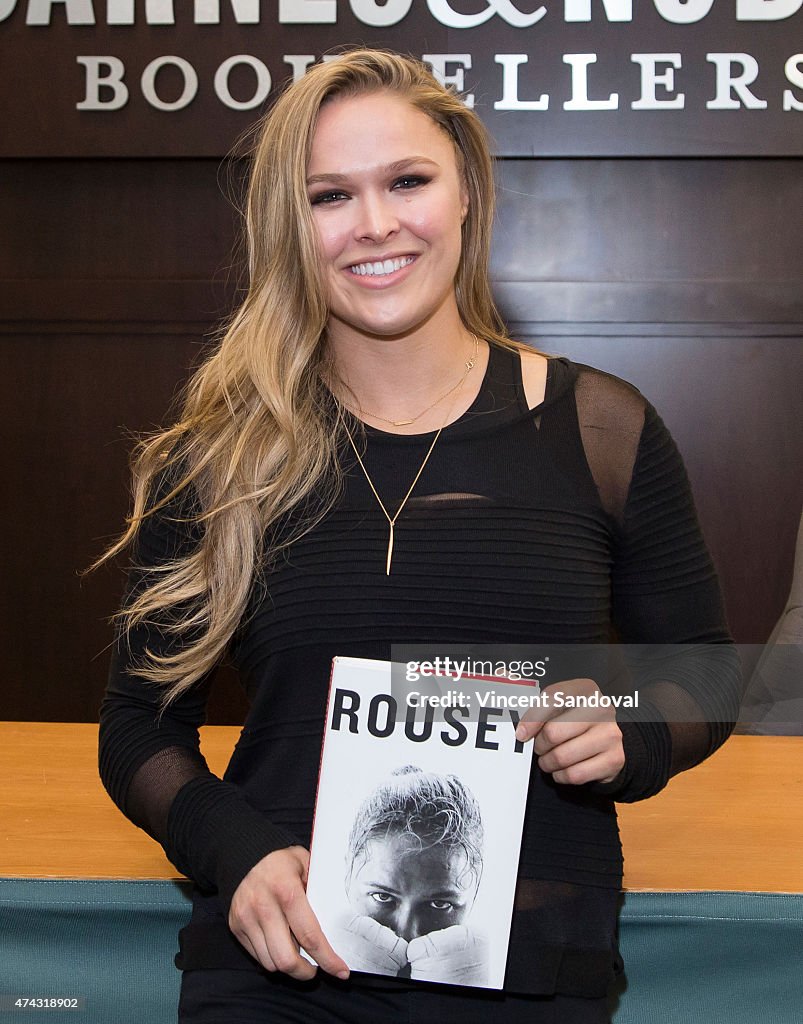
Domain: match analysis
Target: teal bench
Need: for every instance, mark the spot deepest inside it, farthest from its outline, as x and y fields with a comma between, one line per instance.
x=708, y=957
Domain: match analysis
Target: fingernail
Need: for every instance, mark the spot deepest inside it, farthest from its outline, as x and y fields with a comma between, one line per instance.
x=343, y=975
x=521, y=733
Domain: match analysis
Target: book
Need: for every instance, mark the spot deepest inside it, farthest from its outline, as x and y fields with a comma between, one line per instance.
x=418, y=823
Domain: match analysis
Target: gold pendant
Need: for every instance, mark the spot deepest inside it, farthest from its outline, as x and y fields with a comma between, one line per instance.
x=401, y=423
x=390, y=551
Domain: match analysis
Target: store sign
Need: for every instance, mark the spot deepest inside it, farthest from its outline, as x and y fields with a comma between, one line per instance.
x=549, y=77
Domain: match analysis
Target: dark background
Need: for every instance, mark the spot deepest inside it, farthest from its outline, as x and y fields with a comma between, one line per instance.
x=680, y=274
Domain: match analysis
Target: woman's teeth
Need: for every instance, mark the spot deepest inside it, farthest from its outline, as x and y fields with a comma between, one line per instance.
x=382, y=267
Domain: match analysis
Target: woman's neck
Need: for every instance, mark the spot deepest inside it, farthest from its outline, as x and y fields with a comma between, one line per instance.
x=411, y=384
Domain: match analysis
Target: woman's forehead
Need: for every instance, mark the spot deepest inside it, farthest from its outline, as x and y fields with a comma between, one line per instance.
x=374, y=128
x=403, y=847
x=433, y=873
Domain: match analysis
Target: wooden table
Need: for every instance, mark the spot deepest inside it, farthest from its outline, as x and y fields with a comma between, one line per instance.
x=733, y=823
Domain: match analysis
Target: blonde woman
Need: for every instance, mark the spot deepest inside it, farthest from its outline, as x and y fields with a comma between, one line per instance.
x=367, y=458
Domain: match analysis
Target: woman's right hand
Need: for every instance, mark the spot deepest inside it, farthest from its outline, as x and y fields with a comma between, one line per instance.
x=270, y=915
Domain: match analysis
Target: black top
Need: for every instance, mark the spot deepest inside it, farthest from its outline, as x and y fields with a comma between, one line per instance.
x=536, y=526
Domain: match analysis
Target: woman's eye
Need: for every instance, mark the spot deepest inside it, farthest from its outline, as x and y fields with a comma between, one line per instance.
x=410, y=181
x=381, y=897
x=326, y=197
x=440, y=904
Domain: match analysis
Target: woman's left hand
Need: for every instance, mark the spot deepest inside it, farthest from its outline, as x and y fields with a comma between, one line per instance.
x=575, y=745
x=453, y=956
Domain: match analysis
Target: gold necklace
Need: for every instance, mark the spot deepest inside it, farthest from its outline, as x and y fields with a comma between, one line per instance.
x=392, y=519
x=469, y=364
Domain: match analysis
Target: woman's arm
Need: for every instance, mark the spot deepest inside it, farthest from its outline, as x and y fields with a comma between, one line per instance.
x=151, y=766
x=667, y=608
x=668, y=611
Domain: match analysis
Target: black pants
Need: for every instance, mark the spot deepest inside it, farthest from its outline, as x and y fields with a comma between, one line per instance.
x=252, y=997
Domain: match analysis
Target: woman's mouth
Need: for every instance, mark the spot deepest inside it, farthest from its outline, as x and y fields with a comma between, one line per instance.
x=381, y=268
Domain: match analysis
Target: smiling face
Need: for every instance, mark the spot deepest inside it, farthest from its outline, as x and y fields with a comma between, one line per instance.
x=409, y=890
x=388, y=203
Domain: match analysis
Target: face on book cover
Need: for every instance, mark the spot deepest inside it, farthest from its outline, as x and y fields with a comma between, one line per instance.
x=409, y=890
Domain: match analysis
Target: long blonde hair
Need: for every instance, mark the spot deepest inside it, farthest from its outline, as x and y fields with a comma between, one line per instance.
x=254, y=440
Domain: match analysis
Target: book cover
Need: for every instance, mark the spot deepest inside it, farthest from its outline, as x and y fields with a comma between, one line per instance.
x=417, y=830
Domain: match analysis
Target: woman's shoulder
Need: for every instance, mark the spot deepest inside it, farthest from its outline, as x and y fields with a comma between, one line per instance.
x=608, y=401
x=610, y=418
x=534, y=371
x=599, y=394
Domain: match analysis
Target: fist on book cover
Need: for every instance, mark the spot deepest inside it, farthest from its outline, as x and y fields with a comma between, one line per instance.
x=455, y=956
x=367, y=945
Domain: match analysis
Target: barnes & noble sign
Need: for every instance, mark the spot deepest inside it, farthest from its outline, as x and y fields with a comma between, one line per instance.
x=549, y=77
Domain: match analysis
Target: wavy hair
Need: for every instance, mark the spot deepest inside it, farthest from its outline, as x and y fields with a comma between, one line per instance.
x=256, y=439
x=429, y=810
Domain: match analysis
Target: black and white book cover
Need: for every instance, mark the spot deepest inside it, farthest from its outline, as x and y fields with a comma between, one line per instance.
x=418, y=824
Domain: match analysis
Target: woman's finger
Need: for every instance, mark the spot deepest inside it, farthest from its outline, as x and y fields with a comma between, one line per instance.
x=283, y=949
x=534, y=720
x=600, y=768
x=307, y=930
x=590, y=743
x=557, y=731
x=258, y=948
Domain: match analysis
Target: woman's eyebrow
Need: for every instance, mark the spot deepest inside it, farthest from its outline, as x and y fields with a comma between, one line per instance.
x=383, y=887
x=389, y=169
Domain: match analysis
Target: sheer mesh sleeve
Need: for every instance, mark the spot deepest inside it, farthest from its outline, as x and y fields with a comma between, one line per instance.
x=151, y=764
x=667, y=605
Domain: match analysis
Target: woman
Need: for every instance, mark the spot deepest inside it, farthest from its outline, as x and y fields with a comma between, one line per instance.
x=367, y=458
x=413, y=868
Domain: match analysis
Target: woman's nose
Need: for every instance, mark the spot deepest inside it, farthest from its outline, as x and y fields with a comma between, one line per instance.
x=405, y=924
x=377, y=220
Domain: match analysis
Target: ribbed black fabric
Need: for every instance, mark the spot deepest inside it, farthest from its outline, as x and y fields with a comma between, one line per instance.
x=505, y=539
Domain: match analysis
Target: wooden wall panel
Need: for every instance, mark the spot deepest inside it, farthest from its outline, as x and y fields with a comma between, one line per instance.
x=681, y=276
